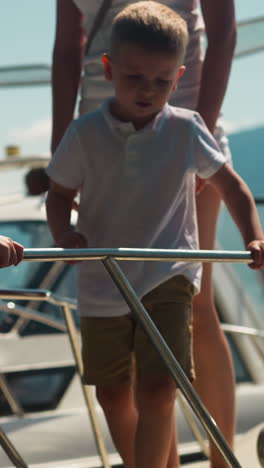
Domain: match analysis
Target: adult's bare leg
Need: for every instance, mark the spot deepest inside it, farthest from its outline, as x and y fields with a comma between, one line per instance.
x=212, y=356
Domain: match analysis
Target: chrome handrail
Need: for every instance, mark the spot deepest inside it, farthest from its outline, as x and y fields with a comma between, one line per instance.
x=168, y=255
x=108, y=258
x=242, y=330
x=170, y=361
x=33, y=315
x=67, y=304
x=259, y=200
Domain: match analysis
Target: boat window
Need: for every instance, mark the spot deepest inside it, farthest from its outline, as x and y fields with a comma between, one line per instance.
x=37, y=390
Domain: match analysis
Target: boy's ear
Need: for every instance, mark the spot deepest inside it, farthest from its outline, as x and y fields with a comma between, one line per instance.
x=179, y=74
x=181, y=71
x=107, y=67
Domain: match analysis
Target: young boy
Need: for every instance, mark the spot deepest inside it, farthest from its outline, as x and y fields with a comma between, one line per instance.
x=134, y=161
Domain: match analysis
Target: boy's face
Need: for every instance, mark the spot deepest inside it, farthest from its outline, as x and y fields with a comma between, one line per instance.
x=143, y=81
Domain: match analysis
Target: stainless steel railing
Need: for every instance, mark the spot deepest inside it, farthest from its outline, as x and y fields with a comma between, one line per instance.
x=29, y=314
x=66, y=304
x=168, y=255
x=108, y=258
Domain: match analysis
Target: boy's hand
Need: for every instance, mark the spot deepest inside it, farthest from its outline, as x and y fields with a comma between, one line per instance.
x=257, y=249
x=72, y=240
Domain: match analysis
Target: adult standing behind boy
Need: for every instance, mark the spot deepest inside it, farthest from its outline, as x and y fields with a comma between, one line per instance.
x=115, y=156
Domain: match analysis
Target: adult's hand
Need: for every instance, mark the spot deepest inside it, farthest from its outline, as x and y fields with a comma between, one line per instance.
x=11, y=252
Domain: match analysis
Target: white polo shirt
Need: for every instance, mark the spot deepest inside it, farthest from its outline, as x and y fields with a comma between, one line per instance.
x=137, y=190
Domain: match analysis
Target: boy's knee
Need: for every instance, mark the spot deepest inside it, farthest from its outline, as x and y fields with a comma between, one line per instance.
x=110, y=396
x=157, y=396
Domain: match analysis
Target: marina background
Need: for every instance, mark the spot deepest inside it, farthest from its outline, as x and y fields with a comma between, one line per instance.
x=27, y=33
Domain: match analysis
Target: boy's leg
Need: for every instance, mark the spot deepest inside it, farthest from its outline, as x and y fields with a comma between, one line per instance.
x=215, y=373
x=155, y=429
x=118, y=403
x=169, y=306
x=107, y=345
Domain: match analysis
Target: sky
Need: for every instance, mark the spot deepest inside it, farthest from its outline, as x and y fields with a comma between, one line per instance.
x=26, y=35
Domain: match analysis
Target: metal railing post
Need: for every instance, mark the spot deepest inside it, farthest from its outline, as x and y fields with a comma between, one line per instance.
x=86, y=390
x=11, y=399
x=10, y=450
x=108, y=258
x=180, y=378
x=189, y=417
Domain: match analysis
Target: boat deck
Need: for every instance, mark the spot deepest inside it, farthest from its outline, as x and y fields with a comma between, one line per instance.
x=245, y=450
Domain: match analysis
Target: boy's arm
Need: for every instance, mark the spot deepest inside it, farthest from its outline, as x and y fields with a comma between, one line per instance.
x=59, y=205
x=241, y=205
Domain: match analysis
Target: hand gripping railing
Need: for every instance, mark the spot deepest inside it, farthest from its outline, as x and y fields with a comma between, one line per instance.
x=108, y=258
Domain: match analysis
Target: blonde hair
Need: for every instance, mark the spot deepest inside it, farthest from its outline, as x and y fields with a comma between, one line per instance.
x=152, y=26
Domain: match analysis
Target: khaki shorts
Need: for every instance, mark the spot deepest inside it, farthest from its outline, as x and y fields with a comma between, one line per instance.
x=109, y=344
